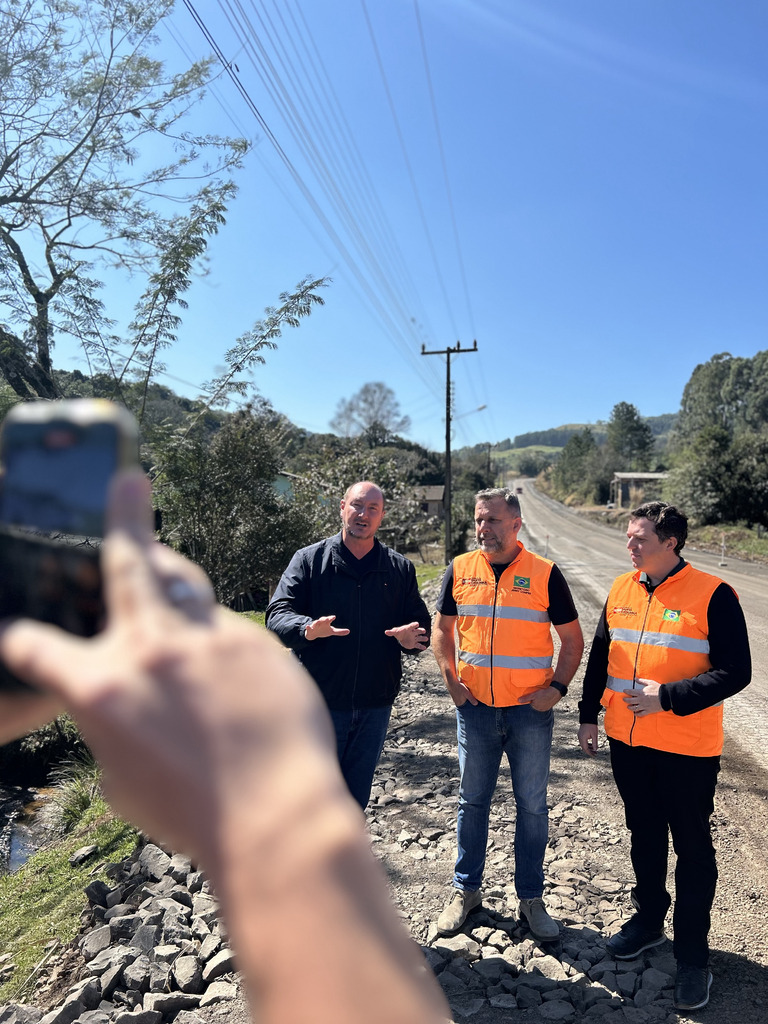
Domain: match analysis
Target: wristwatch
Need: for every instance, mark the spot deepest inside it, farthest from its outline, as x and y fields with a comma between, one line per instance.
x=560, y=687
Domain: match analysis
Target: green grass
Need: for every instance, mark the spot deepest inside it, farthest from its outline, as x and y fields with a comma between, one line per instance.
x=740, y=542
x=257, y=617
x=428, y=573
x=44, y=899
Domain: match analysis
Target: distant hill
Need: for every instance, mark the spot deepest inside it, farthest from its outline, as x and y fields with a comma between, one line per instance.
x=558, y=437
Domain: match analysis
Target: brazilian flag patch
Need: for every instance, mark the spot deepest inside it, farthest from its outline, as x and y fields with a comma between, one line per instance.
x=671, y=615
x=523, y=581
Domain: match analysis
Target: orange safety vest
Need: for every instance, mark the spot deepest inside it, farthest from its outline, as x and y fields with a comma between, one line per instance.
x=505, y=640
x=661, y=636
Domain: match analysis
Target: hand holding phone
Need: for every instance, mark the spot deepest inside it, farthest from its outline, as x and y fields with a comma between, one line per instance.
x=58, y=459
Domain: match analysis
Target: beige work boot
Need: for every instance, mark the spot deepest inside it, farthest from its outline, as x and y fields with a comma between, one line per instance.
x=463, y=902
x=541, y=924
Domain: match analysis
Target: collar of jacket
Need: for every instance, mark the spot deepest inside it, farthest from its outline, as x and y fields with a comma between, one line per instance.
x=641, y=576
x=337, y=545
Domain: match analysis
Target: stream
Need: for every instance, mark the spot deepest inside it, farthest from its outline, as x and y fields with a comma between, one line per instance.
x=23, y=829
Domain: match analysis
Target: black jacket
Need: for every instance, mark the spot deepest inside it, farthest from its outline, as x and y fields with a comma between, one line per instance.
x=363, y=669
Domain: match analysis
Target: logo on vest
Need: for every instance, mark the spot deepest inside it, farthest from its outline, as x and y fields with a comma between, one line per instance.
x=621, y=609
x=522, y=583
x=672, y=615
x=474, y=581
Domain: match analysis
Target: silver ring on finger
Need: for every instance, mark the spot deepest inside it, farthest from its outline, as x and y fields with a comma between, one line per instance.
x=181, y=592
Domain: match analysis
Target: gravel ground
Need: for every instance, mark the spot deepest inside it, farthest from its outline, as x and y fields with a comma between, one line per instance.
x=412, y=822
x=488, y=969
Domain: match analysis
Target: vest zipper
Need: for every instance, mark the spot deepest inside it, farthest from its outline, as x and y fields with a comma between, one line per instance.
x=637, y=658
x=493, y=634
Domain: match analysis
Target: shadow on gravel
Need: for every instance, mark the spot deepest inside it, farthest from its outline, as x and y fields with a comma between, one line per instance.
x=739, y=989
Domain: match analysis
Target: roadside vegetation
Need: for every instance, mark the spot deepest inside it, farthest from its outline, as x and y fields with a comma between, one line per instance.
x=41, y=903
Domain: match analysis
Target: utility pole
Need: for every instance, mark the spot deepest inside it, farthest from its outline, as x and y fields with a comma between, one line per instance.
x=448, y=352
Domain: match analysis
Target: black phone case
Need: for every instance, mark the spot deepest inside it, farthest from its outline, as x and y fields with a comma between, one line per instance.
x=55, y=581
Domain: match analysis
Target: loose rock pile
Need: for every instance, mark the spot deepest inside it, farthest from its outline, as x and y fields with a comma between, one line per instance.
x=154, y=946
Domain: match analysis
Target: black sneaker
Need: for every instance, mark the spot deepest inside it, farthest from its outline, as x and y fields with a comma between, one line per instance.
x=632, y=939
x=692, y=987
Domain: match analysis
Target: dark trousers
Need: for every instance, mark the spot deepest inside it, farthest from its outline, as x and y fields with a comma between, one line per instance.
x=665, y=793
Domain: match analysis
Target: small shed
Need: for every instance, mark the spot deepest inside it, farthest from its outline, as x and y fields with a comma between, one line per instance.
x=624, y=484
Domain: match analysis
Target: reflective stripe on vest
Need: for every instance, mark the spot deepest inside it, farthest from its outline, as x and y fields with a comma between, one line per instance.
x=505, y=640
x=622, y=685
x=503, y=661
x=680, y=643
x=487, y=611
x=660, y=636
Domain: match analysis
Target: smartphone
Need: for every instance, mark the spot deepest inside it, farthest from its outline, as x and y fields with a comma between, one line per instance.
x=56, y=463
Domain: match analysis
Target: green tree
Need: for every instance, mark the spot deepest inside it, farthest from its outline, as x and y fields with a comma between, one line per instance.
x=220, y=505
x=373, y=412
x=98, y=171
x=322, y=484
x=700, y=483
x=629, y=439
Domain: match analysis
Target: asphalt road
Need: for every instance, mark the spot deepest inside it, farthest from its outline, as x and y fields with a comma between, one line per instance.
x=591, y=556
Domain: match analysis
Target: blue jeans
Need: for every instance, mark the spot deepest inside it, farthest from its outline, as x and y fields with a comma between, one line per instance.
x=360, y=738
x=525, y=736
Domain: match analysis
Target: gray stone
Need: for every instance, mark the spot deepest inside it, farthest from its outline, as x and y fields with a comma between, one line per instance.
x=460, y=945
x=654, y=979
x=550, y=968
x=146, y=937
x=557, y=1009
x=95, y=942
x=467, y=1007
x=159, y=977
x=200, y=928
x=115, y=896
x=115, y=955
x=97, y=893
x=110, y=979
x=136, y=975
x=188, y=974
x=65, y=1014
x=175, y=931
x=626, y=984
x=504, y=1001
x=170, y=1002
x=210, y=945
x=94, y=1017
x=87, y=992
x=166, y=954
x=205, y=907
x=222, y=963
x=527, y=997
x=153, y=862
x=181, y=896
x=124, y=927
x=218, y=992
x=119, y=910
x=179, y=867
x=195, y=880
x=139, y=1017
x=81, y=855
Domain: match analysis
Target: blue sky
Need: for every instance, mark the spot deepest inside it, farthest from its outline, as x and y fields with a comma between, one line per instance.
x=606, y=228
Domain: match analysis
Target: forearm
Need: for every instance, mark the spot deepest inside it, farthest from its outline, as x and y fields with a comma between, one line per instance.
x=316, y=867
x=568, y=660
x=287, y=624
x=444, y=647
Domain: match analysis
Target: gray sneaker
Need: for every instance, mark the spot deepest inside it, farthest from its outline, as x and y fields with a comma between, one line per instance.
x=463, y=902
x=541, y=924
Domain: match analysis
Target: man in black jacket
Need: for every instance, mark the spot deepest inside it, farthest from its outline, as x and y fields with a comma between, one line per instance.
x=348, y=606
